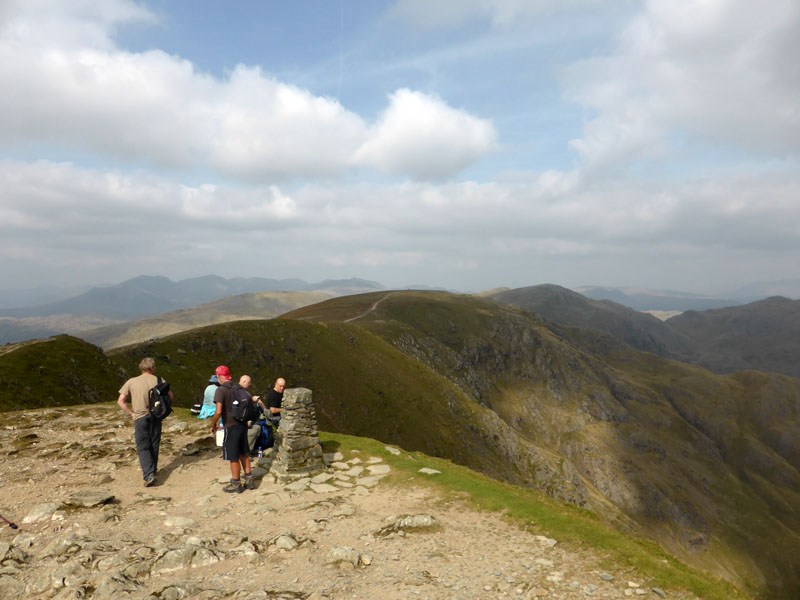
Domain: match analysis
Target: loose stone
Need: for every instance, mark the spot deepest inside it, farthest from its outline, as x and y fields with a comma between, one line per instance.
x=343, y=554
x=545, y=541
x=379, y=469
x=369, y=482
x=323, y=488
x=41, y=512
x=299, y=485
x=428, y=471
x=286, y=542
x=322, y=478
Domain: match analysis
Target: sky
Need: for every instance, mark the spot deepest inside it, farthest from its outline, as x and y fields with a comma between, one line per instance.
x=466, y=145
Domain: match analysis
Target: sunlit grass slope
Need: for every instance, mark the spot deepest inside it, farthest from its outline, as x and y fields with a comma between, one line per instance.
x=55, y=372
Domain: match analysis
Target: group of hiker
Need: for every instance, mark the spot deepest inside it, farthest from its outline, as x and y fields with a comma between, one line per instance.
x=244, y=429
x=245, y=420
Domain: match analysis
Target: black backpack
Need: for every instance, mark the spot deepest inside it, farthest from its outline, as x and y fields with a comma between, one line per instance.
x=243, y=409
x=160, y=404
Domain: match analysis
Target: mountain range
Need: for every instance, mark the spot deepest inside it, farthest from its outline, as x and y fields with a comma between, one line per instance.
x=672, y=301
x=762, y=335
x=258, y=305
x=146, y=296
x=50, y=310
x=149, y=295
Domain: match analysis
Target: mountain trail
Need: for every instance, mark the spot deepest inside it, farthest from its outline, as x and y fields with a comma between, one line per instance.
x=370, y=309
x=89, y=529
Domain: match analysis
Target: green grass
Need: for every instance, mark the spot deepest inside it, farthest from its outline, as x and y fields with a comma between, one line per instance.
x=60, y=371
x=575, y=528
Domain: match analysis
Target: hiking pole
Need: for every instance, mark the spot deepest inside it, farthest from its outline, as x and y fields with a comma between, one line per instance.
x=10, y=524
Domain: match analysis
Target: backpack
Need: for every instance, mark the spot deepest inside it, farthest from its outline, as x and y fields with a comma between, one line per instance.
x=159, y=403
x=243, y=409
x=265, y=437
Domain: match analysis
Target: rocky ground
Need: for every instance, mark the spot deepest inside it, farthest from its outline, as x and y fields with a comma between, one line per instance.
x=89, y=529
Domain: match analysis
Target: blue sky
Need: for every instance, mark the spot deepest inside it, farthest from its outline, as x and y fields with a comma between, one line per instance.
x=468, y=145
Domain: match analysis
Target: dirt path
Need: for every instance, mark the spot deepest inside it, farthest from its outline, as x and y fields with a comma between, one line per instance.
x=6, y=348
x=370, y=309
x=186, y=538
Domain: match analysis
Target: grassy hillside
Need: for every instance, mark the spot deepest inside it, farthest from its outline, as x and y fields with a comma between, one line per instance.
x=57, y=371
x=695, y=459
x=260, y=305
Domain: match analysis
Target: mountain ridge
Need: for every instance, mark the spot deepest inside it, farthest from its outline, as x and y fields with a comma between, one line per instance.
x=762, y=335
x=258, y=305
x=147, y=295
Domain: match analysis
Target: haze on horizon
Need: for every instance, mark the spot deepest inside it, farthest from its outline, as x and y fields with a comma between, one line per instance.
x=464, y=145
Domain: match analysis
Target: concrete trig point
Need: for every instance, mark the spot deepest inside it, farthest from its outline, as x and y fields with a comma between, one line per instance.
x=297, y=438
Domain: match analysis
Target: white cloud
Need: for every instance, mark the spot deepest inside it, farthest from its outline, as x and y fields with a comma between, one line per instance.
x=74, y=88
x=267, y=129
x=723, y=72
x=421, y=135
x=61, y=219
x=78, y=24
x=247, y=210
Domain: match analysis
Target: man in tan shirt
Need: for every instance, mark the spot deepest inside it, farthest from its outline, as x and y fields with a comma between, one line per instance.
x=147, y=429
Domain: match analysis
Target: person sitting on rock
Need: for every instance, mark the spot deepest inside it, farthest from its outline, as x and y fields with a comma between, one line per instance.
x=147, y=429
x=234, y=443
x=209, y=408
x=275, y=400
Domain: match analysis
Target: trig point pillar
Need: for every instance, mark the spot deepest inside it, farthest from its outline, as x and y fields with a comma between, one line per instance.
x=297, y=439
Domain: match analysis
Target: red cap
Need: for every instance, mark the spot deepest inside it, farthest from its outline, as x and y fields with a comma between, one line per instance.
x=223, y=371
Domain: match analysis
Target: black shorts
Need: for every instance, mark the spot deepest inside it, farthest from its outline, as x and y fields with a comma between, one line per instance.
x=234, y=444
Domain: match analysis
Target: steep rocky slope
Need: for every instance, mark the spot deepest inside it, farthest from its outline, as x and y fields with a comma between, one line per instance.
x=705, y=464
x=565, y=307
